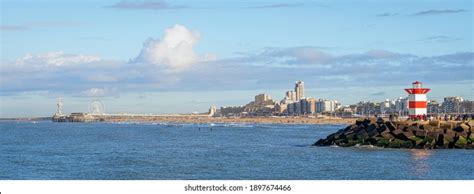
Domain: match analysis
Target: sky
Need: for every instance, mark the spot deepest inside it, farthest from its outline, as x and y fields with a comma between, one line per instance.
x=163, y=57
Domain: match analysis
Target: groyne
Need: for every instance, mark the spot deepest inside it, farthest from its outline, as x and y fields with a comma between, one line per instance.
x=404, y=134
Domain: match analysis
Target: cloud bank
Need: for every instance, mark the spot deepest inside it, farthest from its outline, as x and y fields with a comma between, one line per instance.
x=58, y=58
x=272, y=68
x=171, y=64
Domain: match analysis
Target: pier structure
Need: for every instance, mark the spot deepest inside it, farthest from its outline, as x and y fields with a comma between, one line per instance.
x=97, y=114
x=59, y=116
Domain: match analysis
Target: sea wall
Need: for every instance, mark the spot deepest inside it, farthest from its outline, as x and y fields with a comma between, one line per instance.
x=403, y=134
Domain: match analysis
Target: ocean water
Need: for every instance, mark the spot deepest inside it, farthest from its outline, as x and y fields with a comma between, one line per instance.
x=154, y=151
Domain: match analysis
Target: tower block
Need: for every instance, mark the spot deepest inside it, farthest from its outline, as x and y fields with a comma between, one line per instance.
x=417, y=100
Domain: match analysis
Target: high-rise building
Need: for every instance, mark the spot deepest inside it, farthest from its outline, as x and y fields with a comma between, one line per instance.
x=433, y=107
x=299, y=89
x=452, y=104
x=291, y=108
x=310, y=105
x=303, y=105
x=387, y=106
x=297, y=108
x=290, y=96
x=323, y=106
x=401, y=106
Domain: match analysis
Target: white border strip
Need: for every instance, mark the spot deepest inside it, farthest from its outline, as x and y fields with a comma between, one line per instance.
x=155, y=187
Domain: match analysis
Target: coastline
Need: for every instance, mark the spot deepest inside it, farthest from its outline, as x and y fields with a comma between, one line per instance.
x=263, y=120
x=207, y=119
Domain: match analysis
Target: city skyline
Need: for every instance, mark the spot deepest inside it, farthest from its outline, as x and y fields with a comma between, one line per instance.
x=183, y=56
x=296, y=103
x=303, y=105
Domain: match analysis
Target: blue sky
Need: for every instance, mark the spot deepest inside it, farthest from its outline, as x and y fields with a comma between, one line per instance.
x=183, y=56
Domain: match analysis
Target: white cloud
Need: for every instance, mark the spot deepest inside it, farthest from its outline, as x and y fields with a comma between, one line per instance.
x=174, y=51
x=89, y=76
x=55, y=59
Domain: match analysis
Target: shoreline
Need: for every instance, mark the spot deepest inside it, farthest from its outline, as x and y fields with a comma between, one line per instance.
x=260, y=120
x=205, y=119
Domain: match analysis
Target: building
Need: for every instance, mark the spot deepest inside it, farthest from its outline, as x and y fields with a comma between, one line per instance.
x=261, y=98
x=452, y=104
x=281, y=108
x=298, y=108
x=291, y=109
x=467, y=106
x=290, y=96
x=434, y=107
x=401, y=106
x=305, y=106
x=325, y=106
x=232, y=110
x=345, y=111
x=299, y=89
x=310, y=106
x=212, y=111
x=387, y=106
x=263, y=105
x=367, y=108
x=294, y=103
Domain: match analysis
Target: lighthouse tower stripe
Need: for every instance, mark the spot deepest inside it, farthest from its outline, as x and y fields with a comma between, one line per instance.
x=417, y=101
x=417, y=104
x=417, y=97
x=416, y=111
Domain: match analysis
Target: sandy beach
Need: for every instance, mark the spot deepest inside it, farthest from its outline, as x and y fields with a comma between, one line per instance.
x=206, y=119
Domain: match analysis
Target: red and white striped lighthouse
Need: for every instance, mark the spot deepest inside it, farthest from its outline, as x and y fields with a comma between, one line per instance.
x=417, y=100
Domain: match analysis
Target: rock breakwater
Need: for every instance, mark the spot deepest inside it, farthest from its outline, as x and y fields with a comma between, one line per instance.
x=403, y=134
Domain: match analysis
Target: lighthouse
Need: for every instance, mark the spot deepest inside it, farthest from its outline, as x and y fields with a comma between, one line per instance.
x=417, y=100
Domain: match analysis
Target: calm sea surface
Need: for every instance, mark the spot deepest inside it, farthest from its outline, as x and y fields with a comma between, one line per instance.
x=46, y=150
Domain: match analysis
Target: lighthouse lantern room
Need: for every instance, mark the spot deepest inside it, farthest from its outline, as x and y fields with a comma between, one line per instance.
x=417, y=100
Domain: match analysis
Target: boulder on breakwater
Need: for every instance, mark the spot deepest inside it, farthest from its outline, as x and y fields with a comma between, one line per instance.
x=403, y=134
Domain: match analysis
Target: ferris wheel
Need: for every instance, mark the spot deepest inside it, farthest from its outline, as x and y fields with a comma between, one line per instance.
x=96, y=108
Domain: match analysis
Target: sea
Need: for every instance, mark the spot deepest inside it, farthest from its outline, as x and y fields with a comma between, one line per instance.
x=44, y=150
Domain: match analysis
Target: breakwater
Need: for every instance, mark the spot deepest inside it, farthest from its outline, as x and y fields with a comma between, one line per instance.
x=403, y=134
